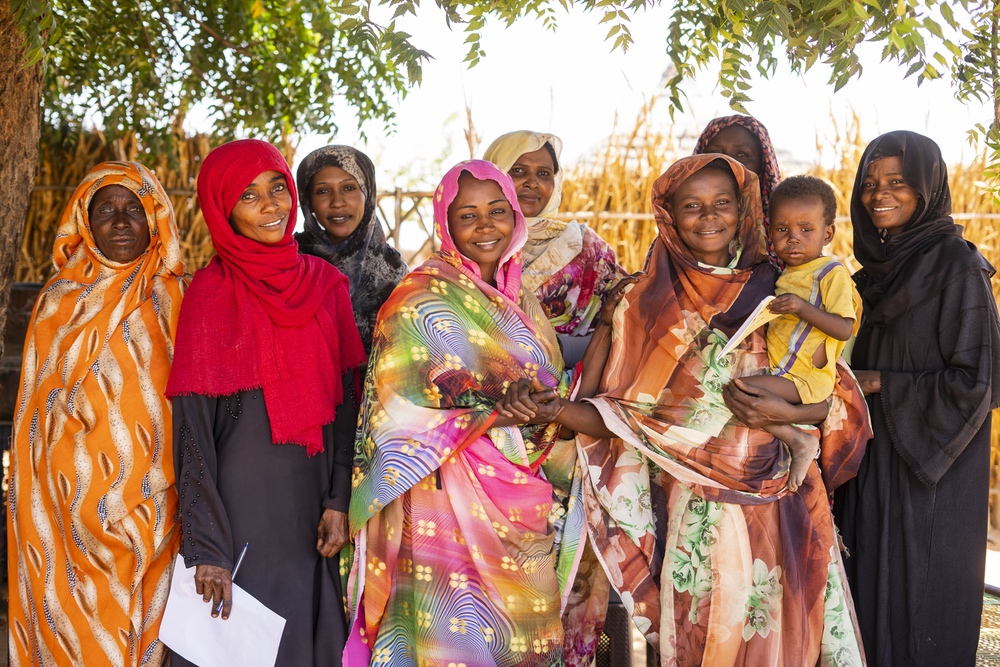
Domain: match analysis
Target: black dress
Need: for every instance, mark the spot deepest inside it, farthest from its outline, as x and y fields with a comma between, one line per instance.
x=915, y=519
x=237, y=487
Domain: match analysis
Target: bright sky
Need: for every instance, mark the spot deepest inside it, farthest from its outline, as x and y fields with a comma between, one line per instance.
x=571, y=84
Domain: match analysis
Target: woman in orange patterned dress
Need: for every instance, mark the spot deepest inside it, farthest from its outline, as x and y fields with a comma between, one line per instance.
x=92, y=497
x=687, y=506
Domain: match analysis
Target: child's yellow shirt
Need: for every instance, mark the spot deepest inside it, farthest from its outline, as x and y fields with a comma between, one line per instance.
x=791, y=341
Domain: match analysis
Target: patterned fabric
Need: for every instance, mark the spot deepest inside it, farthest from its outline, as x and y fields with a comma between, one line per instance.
x=264, y=315
x=687, y=507
x=567, y=265
x=92, y=500
x=465, y=550
x=372, y=266
x=771, y=175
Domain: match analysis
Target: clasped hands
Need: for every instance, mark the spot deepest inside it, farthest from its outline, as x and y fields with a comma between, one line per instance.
x=528, y=402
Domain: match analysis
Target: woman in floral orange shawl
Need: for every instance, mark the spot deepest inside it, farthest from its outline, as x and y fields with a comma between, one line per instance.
x=687, y=506
x=567, y=266
x=92, y=498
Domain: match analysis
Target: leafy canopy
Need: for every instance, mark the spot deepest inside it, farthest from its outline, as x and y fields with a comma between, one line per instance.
x=268, y=67
x=274, y=66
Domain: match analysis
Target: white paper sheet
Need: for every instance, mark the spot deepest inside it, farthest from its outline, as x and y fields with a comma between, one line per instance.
x=249, y=637
x=758, y=318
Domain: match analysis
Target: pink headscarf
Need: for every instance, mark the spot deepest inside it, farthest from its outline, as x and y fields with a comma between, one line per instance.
x=508, y=276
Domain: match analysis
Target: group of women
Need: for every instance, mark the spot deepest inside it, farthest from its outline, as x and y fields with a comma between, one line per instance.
x=305, y=396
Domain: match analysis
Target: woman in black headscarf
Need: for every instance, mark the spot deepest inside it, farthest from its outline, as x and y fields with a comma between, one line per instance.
x=337, y=195
x=928, y=358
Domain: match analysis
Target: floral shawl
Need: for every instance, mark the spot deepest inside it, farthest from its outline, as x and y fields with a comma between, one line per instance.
x=687, y=507
x=92, y=499
x=467, y=572
x=566, y=264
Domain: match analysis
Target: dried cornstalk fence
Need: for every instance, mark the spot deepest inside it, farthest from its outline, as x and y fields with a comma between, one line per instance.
x=408, y=216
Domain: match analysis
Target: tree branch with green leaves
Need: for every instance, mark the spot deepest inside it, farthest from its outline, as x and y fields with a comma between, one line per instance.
x=274, y=67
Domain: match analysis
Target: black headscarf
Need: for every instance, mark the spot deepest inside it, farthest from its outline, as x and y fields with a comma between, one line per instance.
x=373, y=267
x=902, y=271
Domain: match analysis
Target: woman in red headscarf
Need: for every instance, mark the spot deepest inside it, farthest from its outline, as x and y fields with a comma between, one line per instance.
x=264, y=407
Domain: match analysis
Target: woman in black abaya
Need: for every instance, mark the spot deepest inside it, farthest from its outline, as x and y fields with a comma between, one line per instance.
x=927, y=357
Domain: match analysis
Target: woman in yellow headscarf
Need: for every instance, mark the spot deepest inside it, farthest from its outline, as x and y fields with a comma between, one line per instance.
x=92, y=497
x=568, y=267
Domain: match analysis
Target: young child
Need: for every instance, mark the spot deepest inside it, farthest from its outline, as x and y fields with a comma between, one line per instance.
x=819, y=306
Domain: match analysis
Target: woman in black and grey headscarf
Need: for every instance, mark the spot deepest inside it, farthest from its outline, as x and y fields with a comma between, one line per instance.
x=337, y=195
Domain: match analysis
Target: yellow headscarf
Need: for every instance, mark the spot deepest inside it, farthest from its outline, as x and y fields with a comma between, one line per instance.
x=507, y=148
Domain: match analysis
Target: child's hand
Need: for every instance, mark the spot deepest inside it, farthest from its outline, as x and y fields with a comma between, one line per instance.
x=787, y=304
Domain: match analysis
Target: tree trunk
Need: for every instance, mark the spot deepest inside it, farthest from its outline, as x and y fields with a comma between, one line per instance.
x=20, y=118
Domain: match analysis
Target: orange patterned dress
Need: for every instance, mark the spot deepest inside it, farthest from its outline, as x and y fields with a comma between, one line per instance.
x=716, y=562
x=92, y=499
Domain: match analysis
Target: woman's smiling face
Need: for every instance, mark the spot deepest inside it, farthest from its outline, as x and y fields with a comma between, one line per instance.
x=705, y=211
x=890, y=202
x=481, y=223
x=337, y=201
x=261, y=212
x=534, y=176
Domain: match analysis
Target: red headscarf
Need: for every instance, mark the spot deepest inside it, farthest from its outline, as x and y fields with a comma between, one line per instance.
x=263, y=315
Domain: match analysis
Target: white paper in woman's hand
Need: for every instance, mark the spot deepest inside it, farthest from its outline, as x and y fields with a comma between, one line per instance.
x=249, y=637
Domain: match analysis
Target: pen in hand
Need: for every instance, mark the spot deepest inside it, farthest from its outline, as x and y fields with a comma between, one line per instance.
x=218, y=610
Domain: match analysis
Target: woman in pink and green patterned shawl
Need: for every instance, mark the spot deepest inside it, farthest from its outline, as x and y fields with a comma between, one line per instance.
x=465, y=551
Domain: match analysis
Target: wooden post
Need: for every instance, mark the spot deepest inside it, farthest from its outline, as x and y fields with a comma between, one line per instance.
x=397, y=211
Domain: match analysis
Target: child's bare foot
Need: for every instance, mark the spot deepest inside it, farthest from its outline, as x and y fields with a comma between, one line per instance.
x=803, y=449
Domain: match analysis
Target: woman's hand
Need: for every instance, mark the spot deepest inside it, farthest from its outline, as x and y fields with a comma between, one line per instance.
x=515, y=406
x=332, y=533
x=615, y=295
x=758, y=407
x=526, y=402
x=550, y=405
x=215, y=584
x=869, y=381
